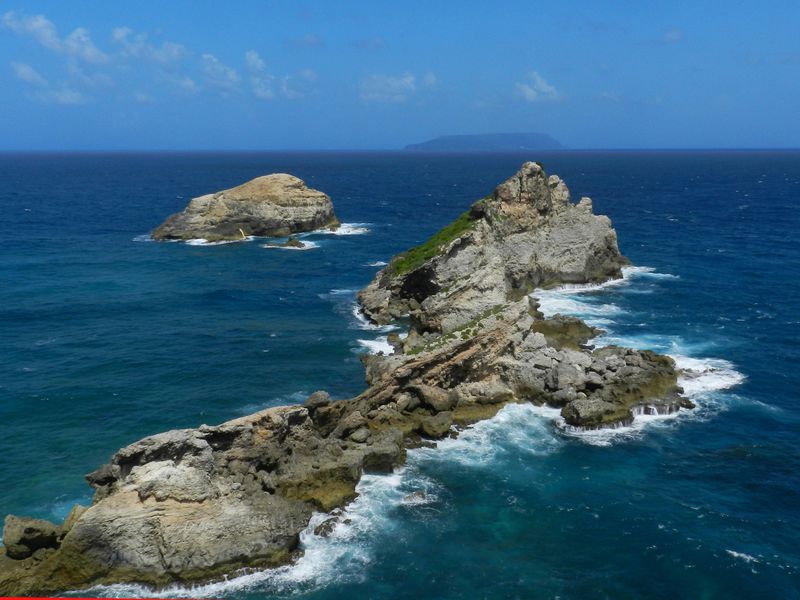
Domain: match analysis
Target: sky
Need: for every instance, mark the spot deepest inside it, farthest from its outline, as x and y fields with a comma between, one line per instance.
x=352, y=75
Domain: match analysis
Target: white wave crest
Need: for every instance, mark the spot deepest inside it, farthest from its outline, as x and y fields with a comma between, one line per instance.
x=341, y=557
x=306, y=246
x=377, y=263
x=377, y=345
x=346, y=229
x=364, y=323
x=205, y=242
x=742, y=556
x=703, y=375
x=515, y=428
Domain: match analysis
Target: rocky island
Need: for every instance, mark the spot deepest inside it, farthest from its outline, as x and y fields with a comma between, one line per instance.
x=192, y=505
x=272, y=205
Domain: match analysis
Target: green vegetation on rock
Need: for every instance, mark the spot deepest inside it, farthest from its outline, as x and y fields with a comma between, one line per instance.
x=416, y=257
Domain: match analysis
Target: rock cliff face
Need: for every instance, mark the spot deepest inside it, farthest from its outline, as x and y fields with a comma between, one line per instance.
x=272, y=205
x=527, y=234
x=195, y=504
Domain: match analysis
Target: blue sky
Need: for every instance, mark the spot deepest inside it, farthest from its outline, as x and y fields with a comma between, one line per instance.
x=297, y=75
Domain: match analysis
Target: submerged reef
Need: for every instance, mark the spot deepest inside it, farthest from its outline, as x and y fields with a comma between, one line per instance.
x=193, y=505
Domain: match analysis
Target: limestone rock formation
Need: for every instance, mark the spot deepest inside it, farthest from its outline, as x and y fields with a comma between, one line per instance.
x=272, y=205
x=196, y=504
x=527, y=234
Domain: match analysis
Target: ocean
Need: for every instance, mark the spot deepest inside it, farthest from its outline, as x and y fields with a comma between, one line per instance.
x=108, y=337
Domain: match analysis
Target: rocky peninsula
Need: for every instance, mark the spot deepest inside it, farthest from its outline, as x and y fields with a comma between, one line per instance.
x=272, y=205
x=192, y=505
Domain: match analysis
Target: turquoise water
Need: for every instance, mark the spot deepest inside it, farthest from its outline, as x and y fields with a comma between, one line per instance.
x=108, y=337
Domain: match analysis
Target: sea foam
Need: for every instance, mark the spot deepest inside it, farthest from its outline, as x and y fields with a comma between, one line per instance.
x=345, y=229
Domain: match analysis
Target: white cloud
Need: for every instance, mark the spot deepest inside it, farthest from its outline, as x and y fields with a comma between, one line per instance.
x=77, y=44
x=263, y=83
x=219, y=74
x=672, y=36
x=388, y=88
x=537, y=89
x=429, y=79
x=294, y=87
x=260, y=80
x=28, y=74
x=62, y=95
x=93, y=80
x=46, y=93
x=254, y=61
x=138, y=46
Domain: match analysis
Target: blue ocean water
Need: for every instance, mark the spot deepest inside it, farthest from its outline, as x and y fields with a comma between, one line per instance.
x=107, y=337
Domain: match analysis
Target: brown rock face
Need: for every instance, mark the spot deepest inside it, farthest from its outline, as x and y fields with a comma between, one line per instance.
x=272, y=205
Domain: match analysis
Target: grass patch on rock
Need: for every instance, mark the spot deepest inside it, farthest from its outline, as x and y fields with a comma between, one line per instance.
x=416, y=257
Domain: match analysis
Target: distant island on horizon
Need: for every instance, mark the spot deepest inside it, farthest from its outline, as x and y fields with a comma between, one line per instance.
x=488, y=142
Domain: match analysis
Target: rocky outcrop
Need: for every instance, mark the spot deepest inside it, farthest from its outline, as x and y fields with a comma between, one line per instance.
x=527, y=234
x=196, y=504
x=272, y=205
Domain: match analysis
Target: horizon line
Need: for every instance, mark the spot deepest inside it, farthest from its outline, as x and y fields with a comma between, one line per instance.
x=387, y=150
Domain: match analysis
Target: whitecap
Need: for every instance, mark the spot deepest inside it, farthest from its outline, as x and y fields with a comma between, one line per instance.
x=362, y=322
x=703, y=375
x=377, y=263
x=515, y=428
x=340, y=558
x=145, y=237
x=377, y=345
x=345, y=229
x=306, y=246
x=742, y=556
x=205, y=242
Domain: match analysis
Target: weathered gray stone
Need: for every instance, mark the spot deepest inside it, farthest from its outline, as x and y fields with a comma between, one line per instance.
x=272, y=205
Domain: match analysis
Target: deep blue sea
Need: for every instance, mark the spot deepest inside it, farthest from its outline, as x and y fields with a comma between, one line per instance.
x=106, y=337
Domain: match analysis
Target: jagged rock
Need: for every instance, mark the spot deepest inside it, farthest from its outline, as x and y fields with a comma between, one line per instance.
x=317, y=400
x=527, y=234
x=271, y=205
x=438, y=425
x=194, y=504
x=433, y=397
x=360, y=435
x=23, y=536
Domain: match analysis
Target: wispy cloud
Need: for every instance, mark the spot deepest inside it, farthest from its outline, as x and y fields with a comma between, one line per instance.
x=28, y=74
x=137, y=45
x=536, y=88
x=42, y=90
x=261, y=82
x=63, y=95
x=77, y=44
x=137, y=57
x=143, y=98
x=388, y=88
x=294, y=87
x=218, y=74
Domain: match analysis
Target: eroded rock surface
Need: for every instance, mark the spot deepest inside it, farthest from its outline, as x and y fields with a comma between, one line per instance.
x=196, y=504
x=272, y=205
x=527, y=234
